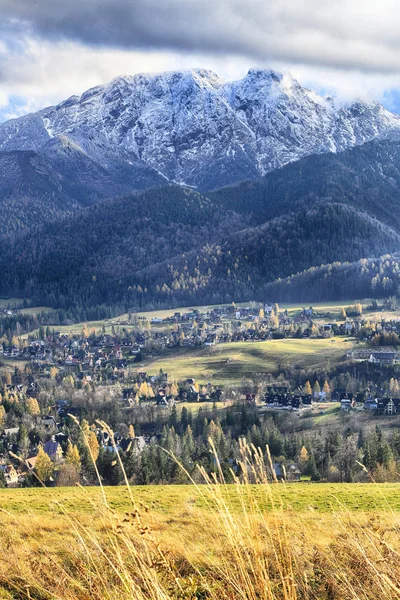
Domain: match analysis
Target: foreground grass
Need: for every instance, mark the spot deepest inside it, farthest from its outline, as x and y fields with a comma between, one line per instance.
x=299, y=541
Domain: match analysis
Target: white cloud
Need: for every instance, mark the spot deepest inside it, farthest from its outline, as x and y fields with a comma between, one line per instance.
x=344, y=34
x=51, y=50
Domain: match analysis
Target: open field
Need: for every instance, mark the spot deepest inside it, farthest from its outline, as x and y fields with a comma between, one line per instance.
x=333, y=308
x=10, y=302
x=118, y=321
x=14, y=303
x=276, y=542
x=171, y=500
x=35, y=310
x=331, y=311
x=229, y=363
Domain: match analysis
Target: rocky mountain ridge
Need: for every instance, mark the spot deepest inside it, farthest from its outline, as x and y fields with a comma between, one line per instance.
x=196, y=129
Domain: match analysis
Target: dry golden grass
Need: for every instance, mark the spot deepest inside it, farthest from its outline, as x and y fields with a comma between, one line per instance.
x=224, y=542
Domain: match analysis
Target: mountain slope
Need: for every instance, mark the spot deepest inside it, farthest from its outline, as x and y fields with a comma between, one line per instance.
x=194, y=128
x=38, y=187
x=242, y=265
x=366, y=177
x=31, y=191
x=92, y=257
x=365, y=278
x=172, y=245
x=164, y=247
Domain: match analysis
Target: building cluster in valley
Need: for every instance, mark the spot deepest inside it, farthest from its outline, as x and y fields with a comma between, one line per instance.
x=375, y=402
x=55, y=446
x=51, y=369
x=135, y=338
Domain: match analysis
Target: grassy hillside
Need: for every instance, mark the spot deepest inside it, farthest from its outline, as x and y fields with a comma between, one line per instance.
x=229, y=363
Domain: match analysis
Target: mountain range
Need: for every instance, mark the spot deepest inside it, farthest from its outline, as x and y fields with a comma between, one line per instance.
x=196, y=129
x=164, y=189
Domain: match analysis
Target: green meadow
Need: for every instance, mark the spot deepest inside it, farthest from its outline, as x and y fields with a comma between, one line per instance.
x=231, y=362
x=171, y=500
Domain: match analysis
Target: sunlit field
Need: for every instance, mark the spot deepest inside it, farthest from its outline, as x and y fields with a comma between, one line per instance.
x=277, y=541
x=230, y=363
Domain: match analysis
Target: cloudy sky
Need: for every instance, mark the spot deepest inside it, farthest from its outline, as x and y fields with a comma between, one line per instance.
x=51, y=49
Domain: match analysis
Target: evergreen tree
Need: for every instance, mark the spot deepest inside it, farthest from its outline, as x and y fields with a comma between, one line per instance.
x=312, y=470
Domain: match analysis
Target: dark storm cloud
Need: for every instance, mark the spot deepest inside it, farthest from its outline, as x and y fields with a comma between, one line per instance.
x=346, y=34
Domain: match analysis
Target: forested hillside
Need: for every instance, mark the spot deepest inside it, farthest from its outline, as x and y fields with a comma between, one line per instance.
x=366, y=177
x=171, y=245
x=242, y=265
x=92, y=257
x=366, y=278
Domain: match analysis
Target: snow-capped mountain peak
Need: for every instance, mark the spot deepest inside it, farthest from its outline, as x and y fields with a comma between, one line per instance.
x=193, y=127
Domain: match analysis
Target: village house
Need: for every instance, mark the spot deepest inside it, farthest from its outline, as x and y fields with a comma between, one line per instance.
x=287, y=471
x=388, y=406
x=53, y=449
x=11, y=475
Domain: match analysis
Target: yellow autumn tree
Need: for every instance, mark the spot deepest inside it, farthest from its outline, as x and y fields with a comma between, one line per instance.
x=304, y=456
x=307, y=388
x=274, y=321
x=93, y=444
x=44, y=467
x=32, y=406
x=53, y=372
x=72, y=456
x=326, y=389
x=90, y=439
x=143, y=390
